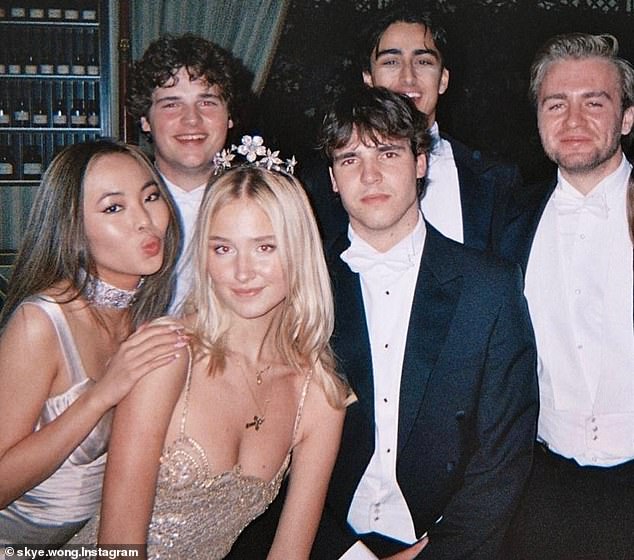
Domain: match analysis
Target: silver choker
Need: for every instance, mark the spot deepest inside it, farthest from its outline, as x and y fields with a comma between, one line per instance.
x=102, y=294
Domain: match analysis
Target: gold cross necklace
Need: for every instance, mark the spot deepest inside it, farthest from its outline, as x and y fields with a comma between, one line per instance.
x=258, y=419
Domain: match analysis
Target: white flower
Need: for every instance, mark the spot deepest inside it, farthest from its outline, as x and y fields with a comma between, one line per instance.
x=271, y=160
x=252, y=147
x=222, y=160
x=290, y=165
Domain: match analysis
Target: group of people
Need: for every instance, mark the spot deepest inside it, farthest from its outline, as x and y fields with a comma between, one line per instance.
x=407, y=354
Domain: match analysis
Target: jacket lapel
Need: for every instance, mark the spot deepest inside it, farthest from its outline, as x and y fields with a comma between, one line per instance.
x=522, y=218
x=436, y=295
x=350, y=340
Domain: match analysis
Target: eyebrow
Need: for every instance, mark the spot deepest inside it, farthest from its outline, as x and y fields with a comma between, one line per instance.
x=146, y=185
x=584, y=95
x=415, y=52
x=261, y=239
x=381, y=148
x=205, y=95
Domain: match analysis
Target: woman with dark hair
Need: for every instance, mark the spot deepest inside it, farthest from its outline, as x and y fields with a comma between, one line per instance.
x=259, y=397
x=76, y=332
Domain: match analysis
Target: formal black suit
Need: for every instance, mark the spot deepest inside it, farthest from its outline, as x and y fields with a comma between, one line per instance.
x=485, y=186
x=468, y=403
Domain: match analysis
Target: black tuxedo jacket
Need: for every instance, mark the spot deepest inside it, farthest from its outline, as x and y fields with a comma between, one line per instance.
x=485, y=186
x=521, y=217
x=468, y=403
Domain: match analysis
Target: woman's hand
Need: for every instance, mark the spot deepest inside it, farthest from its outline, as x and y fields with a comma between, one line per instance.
x=151, y=346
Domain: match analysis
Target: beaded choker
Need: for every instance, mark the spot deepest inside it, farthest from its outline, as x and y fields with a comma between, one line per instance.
x=102, y=294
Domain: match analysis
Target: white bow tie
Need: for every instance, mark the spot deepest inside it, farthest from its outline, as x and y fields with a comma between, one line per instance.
x=568, y=203
x=363, y=259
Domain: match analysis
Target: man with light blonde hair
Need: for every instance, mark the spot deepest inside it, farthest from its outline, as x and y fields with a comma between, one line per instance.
x=572, y=238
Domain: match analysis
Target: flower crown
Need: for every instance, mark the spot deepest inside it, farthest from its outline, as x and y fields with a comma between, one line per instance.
x=252, y=148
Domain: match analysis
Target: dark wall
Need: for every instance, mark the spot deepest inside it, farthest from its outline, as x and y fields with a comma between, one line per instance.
x=491, y=45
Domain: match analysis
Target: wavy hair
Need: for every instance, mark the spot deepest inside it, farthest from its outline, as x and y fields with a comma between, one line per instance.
x=307, y=319
x=166, y=56
x=55, y=249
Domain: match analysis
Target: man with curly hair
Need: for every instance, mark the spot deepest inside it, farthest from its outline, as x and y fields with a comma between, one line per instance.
x=182, y=95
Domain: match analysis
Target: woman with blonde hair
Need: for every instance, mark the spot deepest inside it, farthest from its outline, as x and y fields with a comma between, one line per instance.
x=258, y=399
x=93, y=270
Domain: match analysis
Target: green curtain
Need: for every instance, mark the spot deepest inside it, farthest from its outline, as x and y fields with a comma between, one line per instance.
x=250, y=29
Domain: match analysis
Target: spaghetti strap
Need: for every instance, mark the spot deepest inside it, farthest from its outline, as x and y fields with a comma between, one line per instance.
x=188, y=383
x=300, y=407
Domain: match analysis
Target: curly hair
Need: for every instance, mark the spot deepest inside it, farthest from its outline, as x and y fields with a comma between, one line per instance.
x=166, y=56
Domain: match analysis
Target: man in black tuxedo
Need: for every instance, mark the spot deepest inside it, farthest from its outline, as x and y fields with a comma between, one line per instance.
x=404, y=52
x=573, y=239
x=435, y=340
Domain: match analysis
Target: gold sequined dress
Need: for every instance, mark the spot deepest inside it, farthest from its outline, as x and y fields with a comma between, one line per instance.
x=198, y=515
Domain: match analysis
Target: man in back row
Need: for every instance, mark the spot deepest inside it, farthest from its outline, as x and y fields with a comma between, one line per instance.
x=405, y=52
x=182, y=94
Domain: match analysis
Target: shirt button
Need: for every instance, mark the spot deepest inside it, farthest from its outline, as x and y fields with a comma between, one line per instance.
x=579, y=346
x=387, y=292
x=577, y=291
x=595, y=438
x=583, y=236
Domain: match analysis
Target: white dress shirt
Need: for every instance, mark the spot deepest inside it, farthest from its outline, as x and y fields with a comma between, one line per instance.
x=579, y=292
x=187, y=205
x=388, y=281
x=441, y=204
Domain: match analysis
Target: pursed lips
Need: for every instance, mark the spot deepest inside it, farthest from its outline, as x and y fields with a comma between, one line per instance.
x=151, y=247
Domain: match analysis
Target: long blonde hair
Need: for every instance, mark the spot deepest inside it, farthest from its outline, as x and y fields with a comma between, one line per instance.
x=307, y=319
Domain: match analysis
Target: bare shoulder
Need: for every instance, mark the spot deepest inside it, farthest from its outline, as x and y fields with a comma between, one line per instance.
x=166, y=381
x=318, y=415
x=29, y=331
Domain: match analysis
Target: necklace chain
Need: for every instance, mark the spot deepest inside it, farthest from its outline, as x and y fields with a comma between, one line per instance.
x=259, y=373
x=258, y=419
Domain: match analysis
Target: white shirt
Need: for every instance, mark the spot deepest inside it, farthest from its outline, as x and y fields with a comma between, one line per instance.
x=441, y=204
x=378, y=504
x=579, y=292
x=187, y=205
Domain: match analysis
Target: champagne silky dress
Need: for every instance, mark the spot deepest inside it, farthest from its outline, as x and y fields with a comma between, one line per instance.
x=52, y=511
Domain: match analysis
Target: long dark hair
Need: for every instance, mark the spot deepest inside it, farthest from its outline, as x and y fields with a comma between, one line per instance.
x=54, y=248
